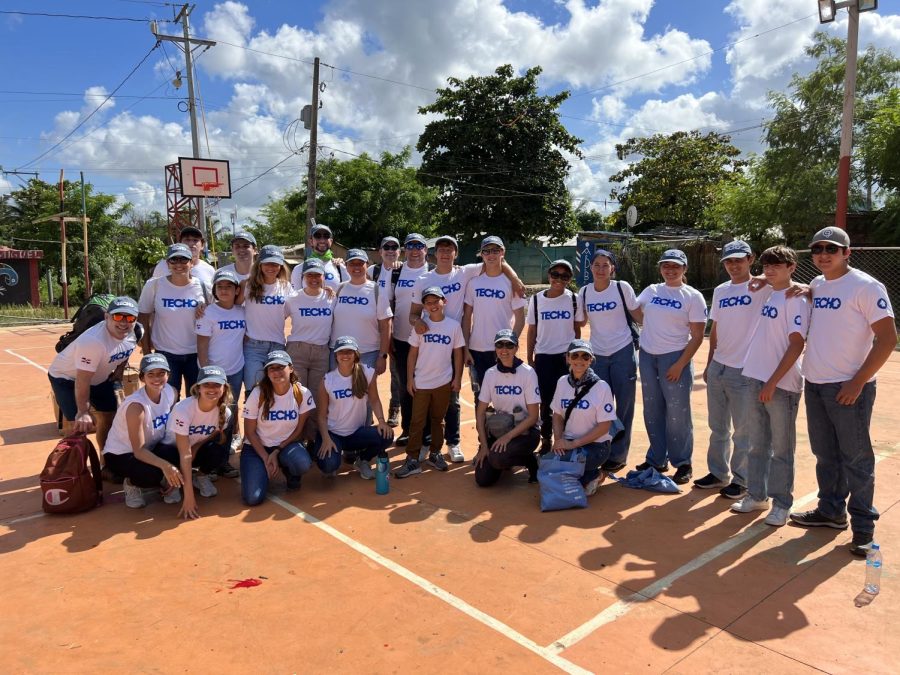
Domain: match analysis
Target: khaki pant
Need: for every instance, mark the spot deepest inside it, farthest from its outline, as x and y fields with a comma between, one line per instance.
x=311, y=365
x=428, y=404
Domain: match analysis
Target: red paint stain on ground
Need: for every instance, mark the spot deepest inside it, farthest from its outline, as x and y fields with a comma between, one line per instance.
x=245, y=583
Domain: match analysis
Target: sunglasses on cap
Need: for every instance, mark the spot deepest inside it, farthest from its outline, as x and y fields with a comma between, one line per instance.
x=504, y=345
x=830, y=249
x=415, y=246
x=321, y=235
x=580, y=356
x=123, y=318
x=391, y=247
x=565, y=276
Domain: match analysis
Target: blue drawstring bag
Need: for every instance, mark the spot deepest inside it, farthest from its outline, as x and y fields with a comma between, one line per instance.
x=560, y=480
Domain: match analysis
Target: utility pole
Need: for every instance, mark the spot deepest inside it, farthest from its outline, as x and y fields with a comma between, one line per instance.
x=313, y=152
x=843, y=189
x=84, y=232
x=63, y=275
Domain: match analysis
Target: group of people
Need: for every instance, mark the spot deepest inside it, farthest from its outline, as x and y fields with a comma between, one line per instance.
x=310, y=392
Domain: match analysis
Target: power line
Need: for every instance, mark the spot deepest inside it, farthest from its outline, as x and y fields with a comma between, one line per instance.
x=82, y=16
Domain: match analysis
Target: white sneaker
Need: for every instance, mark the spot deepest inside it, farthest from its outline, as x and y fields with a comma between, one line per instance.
x=364, y=468
x=591, y=488
x=748, y=505
x=456, y=454
x=777, y=516
x=134, y=496
x=204, y=484
x=170, y=495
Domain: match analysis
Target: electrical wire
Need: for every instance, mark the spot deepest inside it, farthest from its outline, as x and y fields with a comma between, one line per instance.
x=82, y=16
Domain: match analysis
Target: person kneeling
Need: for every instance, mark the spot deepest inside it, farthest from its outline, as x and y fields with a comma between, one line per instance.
x=275, y=417
x=509, y=436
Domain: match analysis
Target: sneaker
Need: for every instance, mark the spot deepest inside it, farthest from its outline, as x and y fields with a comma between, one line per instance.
x=663, y=468
x=170, y=494
x=204, y=485
x=456, y=453
x=591, y=488
x=394, y=417
x=749, y=505
x=815, y=518
x=236, y=442
x=227, y=471
x=134, y=496
x=410, y=468
x=292, y=482
x=365, y=469
x=682, y=474
x=709, y=482
x=437, y=460
x=777, y=517
x=861, y=544
x=423, y=453
x=612, y=466
x=733, y=491
x=402, y=439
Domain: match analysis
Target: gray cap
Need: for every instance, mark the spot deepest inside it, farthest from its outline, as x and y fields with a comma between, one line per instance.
x=447, y=239
x=243, y=234
x=278, y=357
x=736, y=249
x=357, y=254
x=506, y=335
x=433, y=290
x=320, y=227
x=673, y=255
x=414, y=237
x=346, y=342
x=154, y=361
x=389, y=240
x=270, y=253
x=226, y=275
x=214, y=374
x=313, y=266
x=580, y=346
x=562, y=263
x=179, y=251
x=492, y=240
x=605, y=254
x=831, y=235
x=122, y=305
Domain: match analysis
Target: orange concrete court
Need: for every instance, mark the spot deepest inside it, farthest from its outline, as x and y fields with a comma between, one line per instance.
x=437, y=576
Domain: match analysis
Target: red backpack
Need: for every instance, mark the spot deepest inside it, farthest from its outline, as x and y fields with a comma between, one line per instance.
x=68, y=485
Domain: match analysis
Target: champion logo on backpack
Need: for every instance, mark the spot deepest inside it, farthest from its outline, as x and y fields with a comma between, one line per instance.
x=70, y=481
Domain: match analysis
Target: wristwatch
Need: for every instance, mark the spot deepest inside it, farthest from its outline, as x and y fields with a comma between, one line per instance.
x=384, y=355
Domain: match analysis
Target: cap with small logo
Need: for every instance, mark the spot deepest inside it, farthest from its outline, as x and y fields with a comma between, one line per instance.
x=433, y=290
x=270, y=253
x=345, y=343
x=313, y=266
x=179, y=251
x=414, y=237
x=243, y=234
x=506, y=335
x=673, y=255
x=605, y=254
x=122, y=305
x=214, y=374
x=831, y=235
x=190, y=230
x=580, y=346
x=492, y=240
x=278, y=357
x=226, y=275
x=154, y=361
x=320, y=227
x=389, y=240
x=447, y=239
x=562, y=263
x=736, y=249
x=357, y=254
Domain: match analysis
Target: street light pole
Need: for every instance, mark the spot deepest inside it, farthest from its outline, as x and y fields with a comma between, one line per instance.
x=843, y=186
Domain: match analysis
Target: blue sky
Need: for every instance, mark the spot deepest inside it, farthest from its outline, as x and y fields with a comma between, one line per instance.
x=634, y=67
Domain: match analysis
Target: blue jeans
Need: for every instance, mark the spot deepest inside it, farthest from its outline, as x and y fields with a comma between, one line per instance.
x=481, y=363
x=667, y=409
x=102, y=396
x=773, y=440
x=548, y=368
x=845, y=460
x=182, y=366
x=236, y=381
x=365, y=442
x=619, y=371
x=727, y=402
x=597, y=453
x=293, y=460
x=255, y=353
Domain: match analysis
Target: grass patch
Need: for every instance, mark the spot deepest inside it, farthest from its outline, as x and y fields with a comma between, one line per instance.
x=22, y=315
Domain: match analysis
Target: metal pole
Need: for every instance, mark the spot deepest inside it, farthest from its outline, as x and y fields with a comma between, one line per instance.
x=84, y=232
x=195, y=139
x=843, y=186
x=313, y=144
x=64, y=280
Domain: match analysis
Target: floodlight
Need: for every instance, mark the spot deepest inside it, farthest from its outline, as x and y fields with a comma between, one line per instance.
x=827, y=11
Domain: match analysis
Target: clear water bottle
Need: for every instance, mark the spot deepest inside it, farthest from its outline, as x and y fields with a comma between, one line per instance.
x=382, y=469
x=873, y=570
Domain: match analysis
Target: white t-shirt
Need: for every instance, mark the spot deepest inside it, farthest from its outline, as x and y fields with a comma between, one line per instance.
x=840, y=329
x=335, y=275
x=357, y=312
x=434, y=364
x=231, y=268
x=736, y=312
x=505, y=391
x=281, y=419
x=402, y=295
x=346, y=413
x=186, y=419
x=596, y=407
x=668, y=313
x=778, y=318
x=493, y=304
x=555, y=321
x=173, y=308
x=606, y=316
x=95, y=351
x=155, y=417
x=201, y=270
x=225, y=329
x=265, y=317
x=453, y=284
x=311, y=317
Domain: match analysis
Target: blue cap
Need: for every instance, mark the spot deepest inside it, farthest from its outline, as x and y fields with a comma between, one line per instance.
x=357, y=254
x=320, y=227
x=447, y=239
x=278, y=357
x=179, y=251
x=580, y=346
x=243, y=234
x=673, y=255
x=346, y=342
x=270, y=253
x=561, y=263
x=214, y=374
x=313, y=266
x=736, y=249
x=414, y=237
x=433, y=290
x=154, y=361
x=122, y=305
x=226, y=275
x=506, y=335
x=605, y=254
x=492, y=241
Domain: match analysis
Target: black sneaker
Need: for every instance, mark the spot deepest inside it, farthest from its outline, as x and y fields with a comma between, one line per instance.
x=293, y=482
x=682, y=474
x=664, y=468
x=225, y=470
x=402, y=439
x=437, y=460
x=733, y=491
x=815, y=518
x=410, y=468
x=612, y=466
x=861, y=544
x=709, y=482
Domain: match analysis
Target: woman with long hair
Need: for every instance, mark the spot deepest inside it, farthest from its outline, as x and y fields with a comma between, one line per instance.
x=265, y=296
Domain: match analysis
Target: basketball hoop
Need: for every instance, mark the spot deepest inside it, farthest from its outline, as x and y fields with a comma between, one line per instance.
x=209, y=187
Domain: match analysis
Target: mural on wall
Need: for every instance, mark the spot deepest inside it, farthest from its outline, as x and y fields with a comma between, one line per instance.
x=8, y=277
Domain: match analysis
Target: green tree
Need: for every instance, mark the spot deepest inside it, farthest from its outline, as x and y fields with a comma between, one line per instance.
x=496, y=155
x=675, y=179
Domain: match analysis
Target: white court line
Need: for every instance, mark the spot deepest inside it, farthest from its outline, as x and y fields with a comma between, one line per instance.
x=620, y=608
x=548, y=653
x=26, y=360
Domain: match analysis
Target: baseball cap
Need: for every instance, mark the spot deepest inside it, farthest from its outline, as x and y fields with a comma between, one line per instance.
x=270, y=253
x=190, y=229
x=278, y=357
x=243, y=234
x=226, y=275
x=214, y=374
x=122, y=305
x=447, y=239
x=357, y=254
x=831, y=235
x=492, y=240
x=413, y=237
x=320, y=227
x=433, y=290
x=605, y=254
x=313, y=266
x=344, y=343
x=154, y=361
x=506, y=335
x=673, y=255
x=562, y=263
x=389, y=240
x=179, y=251
x=736, y=249
x=580, y=346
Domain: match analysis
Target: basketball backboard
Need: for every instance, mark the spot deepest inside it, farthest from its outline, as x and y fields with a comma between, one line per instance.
x=204, y=177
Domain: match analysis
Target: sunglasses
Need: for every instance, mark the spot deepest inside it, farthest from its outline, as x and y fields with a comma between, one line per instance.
x=491, y=251
x=830, y=249
x=565, y=276
x=390, y=247
x=505, y=345
x=123, y=318
x=321, y=235
x=580, y=356
x=415, y=246
x=179, y=261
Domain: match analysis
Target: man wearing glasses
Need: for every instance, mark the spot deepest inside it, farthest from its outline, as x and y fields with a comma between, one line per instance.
x=851, y=335
x=381, y=275
x=80, y=374
x=320, y=241
x=191, y=237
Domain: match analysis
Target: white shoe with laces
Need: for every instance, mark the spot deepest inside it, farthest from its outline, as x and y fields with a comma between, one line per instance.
x=748, y=505
x=134, y=496
x=456, y=454
x=170, y=495
x=204, y=485
x=364, y=468
x=777, y=517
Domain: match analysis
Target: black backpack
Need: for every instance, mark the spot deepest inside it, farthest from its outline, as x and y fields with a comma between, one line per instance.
x=89, y=314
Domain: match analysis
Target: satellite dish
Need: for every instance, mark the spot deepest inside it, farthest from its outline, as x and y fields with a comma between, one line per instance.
x=631, y=216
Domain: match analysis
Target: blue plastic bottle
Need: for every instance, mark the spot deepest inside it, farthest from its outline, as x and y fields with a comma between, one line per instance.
x=382, y=471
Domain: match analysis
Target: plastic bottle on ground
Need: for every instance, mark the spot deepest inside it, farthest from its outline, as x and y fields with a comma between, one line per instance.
x=873, y=570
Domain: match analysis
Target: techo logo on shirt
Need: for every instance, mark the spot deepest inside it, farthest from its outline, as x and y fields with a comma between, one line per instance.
x=343, y=393
x=581, y=405
x=508, y=390
x=608, y=407
x=735, y=301
x=280, y=415
x=490, y=293
x=329, y=276
x=602, y=306
x=666, y=302
x=232, y=324
x=160, y=420
x=406, y=283
x=769, y=312
x=436, y=338
x=451, y=288
x=271, y=300
x=314, y=311
x=882, y=303
x=353, y=300
x=201, y=429
x=180, y=303
x=120, y=356
x=826, y=303
x=556, y=314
